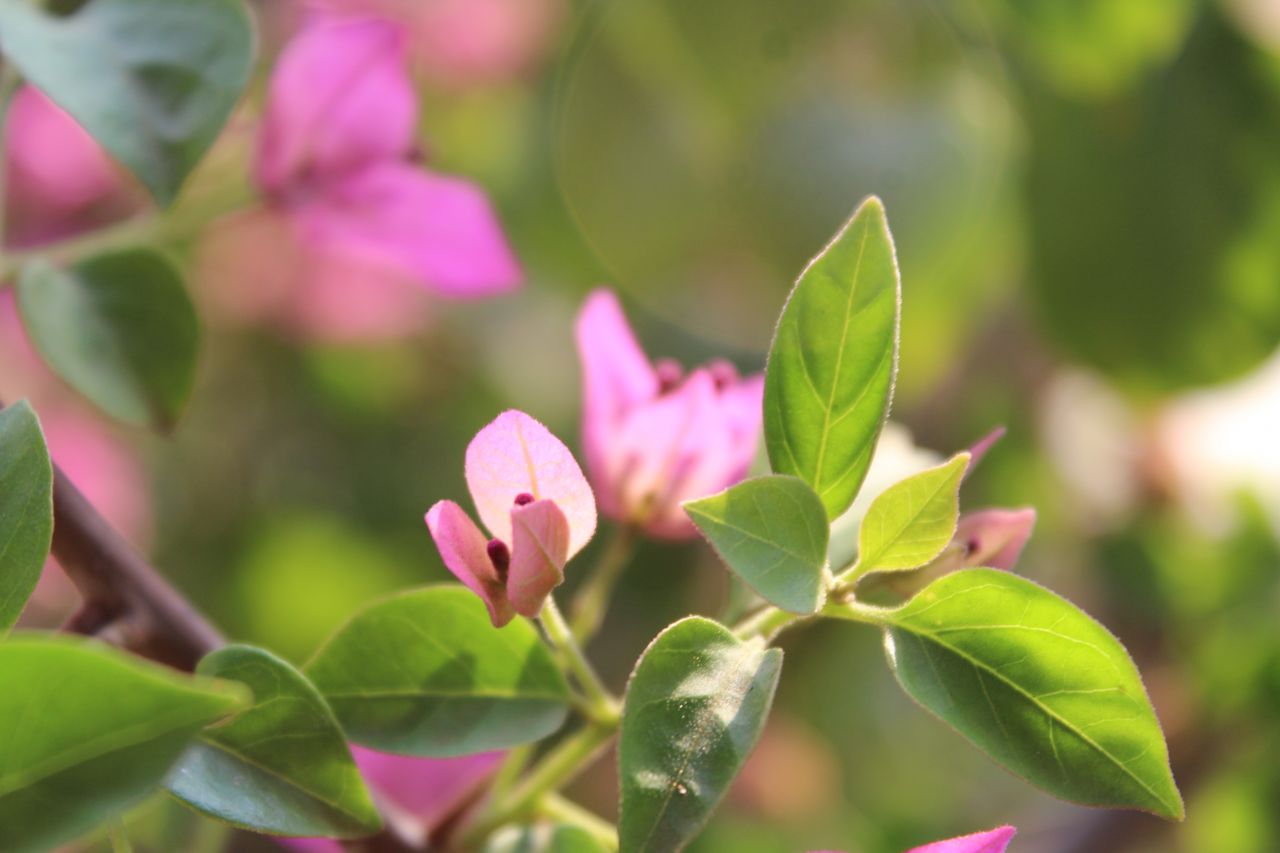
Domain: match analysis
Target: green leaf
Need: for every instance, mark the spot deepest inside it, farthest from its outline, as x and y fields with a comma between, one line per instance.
x=694, y=709
x=153, y=81
x=88, y=732
x=282, y=767
x=911, y=521
x=772, y=532
x=544, y=838
x=425, y=673
x=26, y=509
x=119, y=328
x=829, y=380
x=1038, y=685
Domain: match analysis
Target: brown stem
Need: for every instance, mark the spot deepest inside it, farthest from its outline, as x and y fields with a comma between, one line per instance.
x=120, y=589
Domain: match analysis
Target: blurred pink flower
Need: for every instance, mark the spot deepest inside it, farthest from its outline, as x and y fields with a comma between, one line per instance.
x=59, y=181
x=653, y=436
x=531, y=494
x=992, y=841
x=465, y=43
x=352, y=230
x=428, y=789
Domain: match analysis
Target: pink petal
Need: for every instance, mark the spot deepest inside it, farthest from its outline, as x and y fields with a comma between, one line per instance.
x=464, y=550
x=539, y=549
x=429, y=789
x=438, y=231
x=616, y=376
x=516, y=455
x=673, y=449
x=253, y=268
x=59, y=180
x=991, y=841
x=995, y=537
x=340, y=98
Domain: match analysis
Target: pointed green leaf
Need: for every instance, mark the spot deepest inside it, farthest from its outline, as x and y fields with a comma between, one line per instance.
x=119, y=328
x=831, y=370
x=911, y=521
x=26, y=509
x=772, y=532
x=426, y=673
x=694, y=709
x=153, y=81
x=87, y=731
x=282, y=767
x=1038, y=685
x=544, y=838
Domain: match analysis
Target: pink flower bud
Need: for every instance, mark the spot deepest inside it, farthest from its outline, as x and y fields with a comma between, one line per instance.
x=533, y=497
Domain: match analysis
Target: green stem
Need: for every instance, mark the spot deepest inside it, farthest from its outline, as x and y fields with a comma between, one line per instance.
x=602, y=707
x=592, y=600
x=557, y=808
x=9, y=81
x=557, y=769
x=509, y=771
x=769, y=622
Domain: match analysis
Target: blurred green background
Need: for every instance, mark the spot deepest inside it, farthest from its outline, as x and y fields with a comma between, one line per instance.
x=1085, y=196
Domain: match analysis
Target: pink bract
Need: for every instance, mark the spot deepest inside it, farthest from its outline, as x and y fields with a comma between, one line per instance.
x=653, y=437
x=533, y=497
x=995, y=537
x=992, y=841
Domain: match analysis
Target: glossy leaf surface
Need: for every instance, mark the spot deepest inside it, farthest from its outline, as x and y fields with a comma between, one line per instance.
x=694, y=709
x=153, y=81
x=281, y=767
x=119, y=328
x=831, y=370
x=88, y=732
x=26, y=509
x=425, y=673
x=1038, y=685
x=772, y=532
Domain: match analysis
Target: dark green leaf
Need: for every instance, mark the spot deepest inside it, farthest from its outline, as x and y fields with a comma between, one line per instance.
x=425, y=673
x=152, y=80
x=545, y=838
x=772, y=532
x=26, y=509
x=1036, y=684
x=834, y=357
x=119, y=328
x=282, y=767
x=694, y=709
x=910, y=523
x=88, y=732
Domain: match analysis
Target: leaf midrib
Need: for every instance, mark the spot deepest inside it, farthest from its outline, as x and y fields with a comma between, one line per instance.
x=1030, y=697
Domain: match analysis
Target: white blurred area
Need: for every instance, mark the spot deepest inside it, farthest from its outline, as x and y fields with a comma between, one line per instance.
x=1204, y=449
x=1222, y=441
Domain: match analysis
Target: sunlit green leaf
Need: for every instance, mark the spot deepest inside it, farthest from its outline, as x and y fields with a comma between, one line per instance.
x=88, y=732
x=544, y=838
x=913, y=520
x=153, y=81
x=694, y=709
x=1036, y=684
x=120, y=328
x=426, y=673
x=772, y=532
x=281, y=767
x=26, y=509
x=829, y=380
